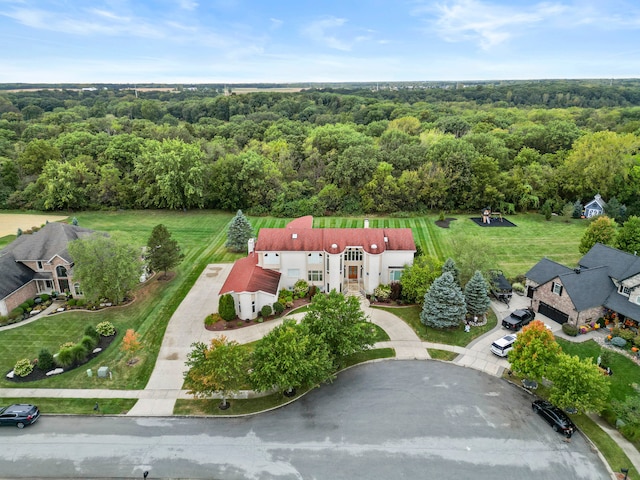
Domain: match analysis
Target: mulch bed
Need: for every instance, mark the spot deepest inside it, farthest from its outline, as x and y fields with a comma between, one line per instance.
x=222, y=325
x=445, y=223
x=494, y=222
x=38, y=374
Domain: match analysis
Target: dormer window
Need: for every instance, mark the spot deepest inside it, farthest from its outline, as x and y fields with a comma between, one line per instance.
x=624, y=290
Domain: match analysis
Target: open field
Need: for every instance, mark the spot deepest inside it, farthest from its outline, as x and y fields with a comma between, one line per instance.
x=11, y=222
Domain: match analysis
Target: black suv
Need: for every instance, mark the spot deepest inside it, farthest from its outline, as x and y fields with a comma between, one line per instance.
x=19, y=415
x=554, y=417
x=518, y=319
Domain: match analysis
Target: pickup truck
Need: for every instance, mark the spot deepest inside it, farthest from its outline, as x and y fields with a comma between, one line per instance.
x=518, y=319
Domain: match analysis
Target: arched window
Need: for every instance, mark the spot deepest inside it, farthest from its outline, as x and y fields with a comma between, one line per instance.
x=61, y=272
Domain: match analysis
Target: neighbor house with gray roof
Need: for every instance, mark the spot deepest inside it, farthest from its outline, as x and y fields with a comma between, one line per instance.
x=605, y=278
x=341, y=259
x=38, y=263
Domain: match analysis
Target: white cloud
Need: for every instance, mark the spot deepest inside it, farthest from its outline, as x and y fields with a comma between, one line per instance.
x=188, y=4
x=488, y=24
x=318, y=32
x=275, y=23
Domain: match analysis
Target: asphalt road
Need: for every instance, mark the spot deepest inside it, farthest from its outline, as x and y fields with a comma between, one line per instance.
x=386, y=420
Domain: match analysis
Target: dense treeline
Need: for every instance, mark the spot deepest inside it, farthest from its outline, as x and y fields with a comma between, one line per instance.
x=517, y=146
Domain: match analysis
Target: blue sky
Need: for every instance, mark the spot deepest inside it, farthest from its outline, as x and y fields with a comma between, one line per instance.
x=235, y=41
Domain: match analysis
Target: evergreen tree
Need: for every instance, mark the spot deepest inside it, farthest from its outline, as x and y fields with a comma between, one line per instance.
x=227, y=307
x=577, y=209
x=451, y=267
x=240, y=231
x=476, y=295
x=444, y=304
x=163, y=252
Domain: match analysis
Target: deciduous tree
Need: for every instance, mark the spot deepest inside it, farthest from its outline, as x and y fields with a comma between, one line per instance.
x=290, y=357
x=578, y=383
x=417, y=278
x=105, y=267
x=534, y=351
x=222, y=367
x=340, y=323
x=628, y=237
x=601, y=230
x=131, y=342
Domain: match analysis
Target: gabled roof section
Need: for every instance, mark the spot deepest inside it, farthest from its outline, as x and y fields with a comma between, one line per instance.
x=597, y=200
x=247, y=276
x=621, y=304
x=546, y=270
x=589, y=288
x=14, y=275
x=621, y=265
x=299, y=236
x=49, y=241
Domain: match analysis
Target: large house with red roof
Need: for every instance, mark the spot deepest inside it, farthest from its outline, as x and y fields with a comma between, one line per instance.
x=341, y=259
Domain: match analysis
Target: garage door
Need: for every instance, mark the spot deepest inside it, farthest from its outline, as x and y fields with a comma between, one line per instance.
x=553, y=313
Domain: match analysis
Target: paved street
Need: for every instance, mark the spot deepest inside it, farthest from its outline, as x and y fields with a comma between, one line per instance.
x=395, y=419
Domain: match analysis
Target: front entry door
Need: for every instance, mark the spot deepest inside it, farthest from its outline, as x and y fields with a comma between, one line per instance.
x=353, y=272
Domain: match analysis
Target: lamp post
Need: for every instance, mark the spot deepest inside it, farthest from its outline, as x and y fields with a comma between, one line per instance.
x=625, y=471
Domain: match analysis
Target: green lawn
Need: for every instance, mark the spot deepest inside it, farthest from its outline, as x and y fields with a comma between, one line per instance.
x=77, y=406
x=625, y=371
x=445, y=355
x=456, y=336
x=202, y=234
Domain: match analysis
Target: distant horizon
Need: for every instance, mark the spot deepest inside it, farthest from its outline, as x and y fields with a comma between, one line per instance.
x=249, y=42
x=328, y=82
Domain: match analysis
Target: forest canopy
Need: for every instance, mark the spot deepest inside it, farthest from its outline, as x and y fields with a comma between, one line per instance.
x=405, y=148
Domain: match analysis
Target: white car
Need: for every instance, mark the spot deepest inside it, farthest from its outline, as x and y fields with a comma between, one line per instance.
x=503, y=346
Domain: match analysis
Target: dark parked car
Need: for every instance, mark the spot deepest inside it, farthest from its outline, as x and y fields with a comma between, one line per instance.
x=555, y=417
x=19, y=415
x=518, y=319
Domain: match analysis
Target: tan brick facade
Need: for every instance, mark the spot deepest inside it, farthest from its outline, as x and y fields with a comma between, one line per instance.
x=562, y=302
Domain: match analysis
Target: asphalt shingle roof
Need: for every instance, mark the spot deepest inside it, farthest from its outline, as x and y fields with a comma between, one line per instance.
x=546, y=270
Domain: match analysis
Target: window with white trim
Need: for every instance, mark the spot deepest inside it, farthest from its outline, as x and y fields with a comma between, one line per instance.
x=40, y=266
x=556, y=288
x=624, y=290
x=353, y=255
x=293, y=272
x=314, y=275
x=395, y=274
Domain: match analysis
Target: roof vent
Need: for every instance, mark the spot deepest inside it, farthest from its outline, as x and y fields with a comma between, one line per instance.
x=386, y=239
x=294, y=235
x=334, y=245
x=366, y=223
x=577, y=270
x=374, y=246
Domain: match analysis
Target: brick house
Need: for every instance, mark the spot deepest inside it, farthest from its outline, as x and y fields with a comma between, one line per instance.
x=341, y=259
x=605, y=278
x=38, y=263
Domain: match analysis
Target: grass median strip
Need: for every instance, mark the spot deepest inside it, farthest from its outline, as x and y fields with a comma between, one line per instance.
x=76, y=406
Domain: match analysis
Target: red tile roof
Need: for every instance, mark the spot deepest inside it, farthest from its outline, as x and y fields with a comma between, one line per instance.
x=299, y=236
x=247, y=276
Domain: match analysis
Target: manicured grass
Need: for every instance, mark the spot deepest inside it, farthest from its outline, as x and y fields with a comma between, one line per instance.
x=445, y=355
x=614, y=455
x=379, y=334
x=77, y=406
x=625, y=371
x=4, y=241
x=367, y=355
x=457, y=336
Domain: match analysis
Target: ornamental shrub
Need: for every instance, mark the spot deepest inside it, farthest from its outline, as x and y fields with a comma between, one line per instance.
x=286, y=298
x=92, y=332
x=300, y=289
x=64, y=358
x=67, y=345
x=212, y=319
x=78, y=353
x=382, y=292
x=313, y=291
x=569, y=329
x=45, y=297
x=45, y=360
x=266, y=310
x=23, y=367
x=89, y=343
x=618, y=342
x=71, y=302
x=106, y=329
x=31, y=302
x=636, y=341
x=278, y=308
x=16, y=313
x=628, y=335
x=227, y=307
